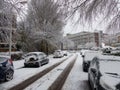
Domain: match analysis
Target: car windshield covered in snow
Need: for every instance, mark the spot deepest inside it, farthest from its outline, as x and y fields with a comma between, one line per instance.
x=30, y=54
x=57, y=52
x=110, y=66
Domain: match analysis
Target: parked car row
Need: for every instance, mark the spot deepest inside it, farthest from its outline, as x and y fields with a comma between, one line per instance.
x=31, y=59
x=103, y=70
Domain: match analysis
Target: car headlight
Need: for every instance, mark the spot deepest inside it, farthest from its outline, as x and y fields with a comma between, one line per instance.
x=105, y=83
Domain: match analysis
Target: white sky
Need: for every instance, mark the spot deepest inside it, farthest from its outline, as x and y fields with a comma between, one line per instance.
x=71, y=28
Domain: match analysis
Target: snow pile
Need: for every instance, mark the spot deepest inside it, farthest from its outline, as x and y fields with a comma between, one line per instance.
x=18, y=64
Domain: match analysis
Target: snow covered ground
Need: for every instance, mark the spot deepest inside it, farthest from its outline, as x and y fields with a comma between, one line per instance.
x=77, y=79
x=46, y=81
x=18, y=64
x=22, y=74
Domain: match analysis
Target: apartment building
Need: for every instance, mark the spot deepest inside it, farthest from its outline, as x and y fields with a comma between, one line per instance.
x=86, y=39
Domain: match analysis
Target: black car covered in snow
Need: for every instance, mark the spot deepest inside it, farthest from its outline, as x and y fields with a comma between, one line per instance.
x=87, y=58
x=6, y=68
x=104, y=73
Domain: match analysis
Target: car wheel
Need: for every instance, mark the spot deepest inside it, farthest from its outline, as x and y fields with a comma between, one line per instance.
x=9, y=75
x=89, y=78
x=84, y=69
x=38, y=64
x=47, y=62
x=25, y=65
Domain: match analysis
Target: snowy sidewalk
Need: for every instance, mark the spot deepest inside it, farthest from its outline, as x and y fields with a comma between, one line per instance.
x=77, y=79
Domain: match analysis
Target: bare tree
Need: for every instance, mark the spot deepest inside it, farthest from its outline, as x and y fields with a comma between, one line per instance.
x=90, y=10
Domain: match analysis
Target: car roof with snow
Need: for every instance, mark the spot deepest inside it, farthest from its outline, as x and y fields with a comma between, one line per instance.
x=84, y=50
x=6, y=56
x=34, y=53
x=89, y=55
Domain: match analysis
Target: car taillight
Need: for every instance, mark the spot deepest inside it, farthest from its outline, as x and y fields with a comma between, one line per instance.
x=10, y=60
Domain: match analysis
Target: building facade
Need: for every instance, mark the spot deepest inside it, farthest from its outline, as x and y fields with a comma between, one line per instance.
x=86, y=39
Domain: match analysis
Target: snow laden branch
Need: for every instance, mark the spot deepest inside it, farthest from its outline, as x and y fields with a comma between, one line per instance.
x=90, y=10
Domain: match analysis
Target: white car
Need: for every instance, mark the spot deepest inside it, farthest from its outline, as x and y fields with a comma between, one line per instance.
x=65, y=53
x=82, y=52
x=35, y=59
x=58, y=54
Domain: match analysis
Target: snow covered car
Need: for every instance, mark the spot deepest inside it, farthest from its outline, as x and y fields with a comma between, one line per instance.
x=104, y=73
x=35, y=59
x=58, y=54
x=87, y=58
x=6, y=68
x=65, y=53
x=82, y=52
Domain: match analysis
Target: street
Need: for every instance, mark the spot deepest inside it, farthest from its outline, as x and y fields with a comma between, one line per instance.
x=76, y=80
x=59, y=45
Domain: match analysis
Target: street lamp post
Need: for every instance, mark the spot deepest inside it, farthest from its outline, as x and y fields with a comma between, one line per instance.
x=10, y=42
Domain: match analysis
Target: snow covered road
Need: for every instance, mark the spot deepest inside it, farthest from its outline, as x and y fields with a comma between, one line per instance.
x=77, y=79
x=22, y=74
x=49, y=79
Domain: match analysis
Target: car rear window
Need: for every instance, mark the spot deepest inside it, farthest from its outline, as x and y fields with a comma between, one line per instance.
x=30, y=54
x=3, y=58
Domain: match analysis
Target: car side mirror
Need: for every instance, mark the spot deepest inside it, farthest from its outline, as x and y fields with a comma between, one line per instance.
x=83, y=56
x=94, y=70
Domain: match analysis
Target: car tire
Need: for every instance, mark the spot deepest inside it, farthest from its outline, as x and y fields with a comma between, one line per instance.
x=9, y=75
x=25, y=65
x=84, y=69
x=47, y=61
x=89, y=78
x=38, y=64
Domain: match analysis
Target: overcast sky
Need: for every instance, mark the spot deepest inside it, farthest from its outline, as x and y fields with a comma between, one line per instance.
x=72, y=28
